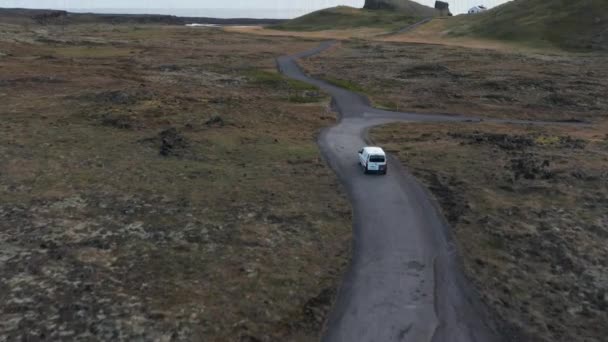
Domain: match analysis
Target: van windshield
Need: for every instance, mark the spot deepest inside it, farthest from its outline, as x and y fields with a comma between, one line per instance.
x=376, y=159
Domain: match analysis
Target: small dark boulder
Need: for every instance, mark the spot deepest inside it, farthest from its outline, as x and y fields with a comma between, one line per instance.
x=172, y=143
x=116, y=97
x=215, y=121
x=120, y=121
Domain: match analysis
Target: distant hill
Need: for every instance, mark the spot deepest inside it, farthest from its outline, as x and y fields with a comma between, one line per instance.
x=567, y=24
x=411, y=7
x=42, y=16
x=343, y=17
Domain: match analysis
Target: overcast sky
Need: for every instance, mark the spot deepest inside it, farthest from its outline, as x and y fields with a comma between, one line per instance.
x=307, y=5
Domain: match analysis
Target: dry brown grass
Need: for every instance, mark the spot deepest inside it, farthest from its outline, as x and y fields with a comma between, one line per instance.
x=435, y=32
x=486, y=83
x=162, y=183
x=355, y=33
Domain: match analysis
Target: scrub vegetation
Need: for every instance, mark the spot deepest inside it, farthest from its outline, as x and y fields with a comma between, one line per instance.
x=487, y=83
x=162, y=183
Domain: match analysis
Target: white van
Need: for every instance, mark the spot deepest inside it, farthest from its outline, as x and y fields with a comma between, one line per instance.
x=373, y=159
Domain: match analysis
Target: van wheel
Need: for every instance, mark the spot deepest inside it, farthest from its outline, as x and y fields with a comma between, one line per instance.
x=365, y=171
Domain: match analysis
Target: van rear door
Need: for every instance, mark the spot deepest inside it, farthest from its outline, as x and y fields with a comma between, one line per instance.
x=375, y=162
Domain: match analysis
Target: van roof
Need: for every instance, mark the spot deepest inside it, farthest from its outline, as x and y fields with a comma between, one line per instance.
x=374, y=150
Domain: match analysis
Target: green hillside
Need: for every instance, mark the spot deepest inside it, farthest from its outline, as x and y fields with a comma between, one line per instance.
x=567, y=24
x=412, y=7
x=343, y=17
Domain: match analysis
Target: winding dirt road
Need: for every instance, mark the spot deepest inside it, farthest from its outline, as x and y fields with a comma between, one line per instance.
x=404, y=282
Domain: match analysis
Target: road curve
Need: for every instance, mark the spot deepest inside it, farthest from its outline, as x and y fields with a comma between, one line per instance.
x=404, y=282
x=407, y=28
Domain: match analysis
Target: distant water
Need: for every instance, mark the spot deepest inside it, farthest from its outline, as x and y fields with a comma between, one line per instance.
x=234, y=8
x=258, y=13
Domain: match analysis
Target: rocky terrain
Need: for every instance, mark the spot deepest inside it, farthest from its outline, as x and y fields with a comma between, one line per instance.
x=133, y=203
x=487, y=83
x=528, y=207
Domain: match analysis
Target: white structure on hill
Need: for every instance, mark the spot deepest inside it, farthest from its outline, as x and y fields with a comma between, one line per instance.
x=477, y=9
